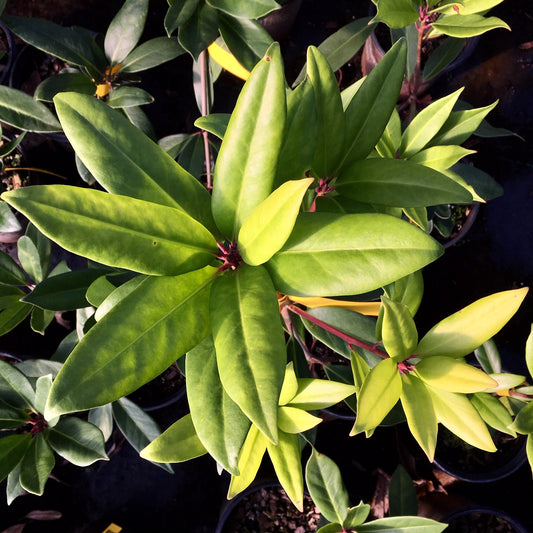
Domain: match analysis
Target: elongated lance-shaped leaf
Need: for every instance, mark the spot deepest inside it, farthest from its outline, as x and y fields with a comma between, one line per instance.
x=142, y=335
x=124, y=161
x=290, y=385
x=319, y=393
x=330, y=116
x=220, y=424
x=398, y=330
x=11, y=418
x=287, y=462
x=267, y=229
x=378, y=395
x=402, y=494
x=247, y=161
x=467, y=25
x=493, y=412
x=125, y=30
x=427, y=124
x=326, y=487
x=248, y=10
x=523, y=423
x=12, y=450
x=36, y=465
x=402, y=524
x=250, y=459
x=420, y=414
x=250, y=344
x=155, y=239
x=460, y=333
x=151, y=54
x=332, y=255
x=10, y=272
x=440, y=157
x=77, y=441
x=369, y=111
x=295, y=420
x=16, y=390
x=398, y=183
x=177, y=444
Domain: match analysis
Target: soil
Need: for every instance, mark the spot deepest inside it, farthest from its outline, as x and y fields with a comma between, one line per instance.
x=269, y=510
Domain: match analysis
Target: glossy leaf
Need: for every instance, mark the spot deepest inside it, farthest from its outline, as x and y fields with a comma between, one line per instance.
x=102, y=418
x=333, y=255
x=402, y=524
x=12, y=450
x=440, y=157
x=13, y=315
x=319, y=393
x=467, y=25
x=422, y=422
x=13, y=487
x=369, y=111
x=179, y=13
x=199, y=30
x=40, y=319
x=36, y=465
x=77, y=441
x=117, y=295
x=286, y=459
x=357, y=515
x=290, y=385
x=128, y=97
x=98, y=291
x=529, y=450
x=453, y=375
x=330, y=116
x=427, y=124
x=245, y=9
x=64, y=82
x=177, y=444
x=15, y=386
x=493, y=412
x=34, y=368
x=398, y=330
x=402, y=494
x=220, y=424
x=482, y=186
x=215, y=123
x=138, y=333
x=151, y=54
x=111, y=147
x=408, y=291
x=460, y=333
x=250, y=459
x=529, y=352
x=389, y=142
x=396, y=13
x=42, y=389
x=295, y=420
x=8, y=221
x=523, y=422
x=457, y=413
x=9, y=296
x=125, y=30
x=11, y=418
x=267, y=229
x=250, y=344
x=247, y=161
x=29, y=258
x=442, y=56
x=488, y=357
x=326, y=487
x=155, y=239
x=10, y=272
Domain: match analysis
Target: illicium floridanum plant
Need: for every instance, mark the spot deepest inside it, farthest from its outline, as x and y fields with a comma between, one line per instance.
x=302, y=206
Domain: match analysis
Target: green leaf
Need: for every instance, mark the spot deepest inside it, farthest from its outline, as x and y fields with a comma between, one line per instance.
x=177, y=444
x=140, y=120
x=389, y=143
x=488, y=357
x=290, y=385
x=10, y=272
x=12, y=450
x=523, y=422
x=247, y=161
x=117, y=295
x=467, y=8
x=267, y=229
x=287, y=462
x=460, y=333
x=245, y=9
x=482, y=186
x=357, y=515
x=250, y=344
x=319, y=393
x=16, y=390
x=128, y=97
x=457, y=413
x=427, y=124
x=529, y=450
x=529, y=352
x=332, y=255
x=124, y=161
x=378, y=395
x=330, y=123
x=215, y=123
x=77, y=441
x=155, y=239
x=8, y=221
x=199, y=30
x=454, y=375
x=396, y=13
x=422, y=422
x=65, y=82
x=34, y=368
x=493, y=412
x=408, y=291
x=29, y=258
x=138, y=427
x=138, y=333
x=295, y=420
x=98, y=291
x=9, y=295
x=250, y=459
x=151, y=54
x=398, y=330
x=461, y=124
x=178, y=13
x=125, y=30
x=401, y=524
x=36, y=465
x=398, y=183
x=11, y=418
x=442, y=57
x=246, y=39
x=369, y=111
x=13, y=315
x=467, y=25
x=440, y=157
x=220, y=424
x=324, y=482
x=102, y=418
x=42, y=389
x=14, y=488
x=402, y=494
x=331, y=528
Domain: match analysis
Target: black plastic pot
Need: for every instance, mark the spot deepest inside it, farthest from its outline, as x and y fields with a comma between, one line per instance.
x=482, y=520
x=279, y=23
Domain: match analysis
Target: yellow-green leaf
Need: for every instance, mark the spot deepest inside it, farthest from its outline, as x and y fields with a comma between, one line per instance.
x=320, y=393
x=398, y=330
x=295, y=420
x=290, y=385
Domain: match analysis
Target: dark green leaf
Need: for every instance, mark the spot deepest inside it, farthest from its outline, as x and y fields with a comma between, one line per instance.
x=179, y=13
x=402, y=494
x=11, y=418
x=442, y=57
x=15, y=387
x=36, y=465
x=65, y=82
x=40, y=319
x=151, y=54
x=10, y=272
x=12, y=450
x=128, y=97
x=13, y=315
x=199, y=30
x=244, y=8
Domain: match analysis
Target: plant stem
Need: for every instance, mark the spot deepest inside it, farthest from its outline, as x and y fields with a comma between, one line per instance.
x=205, y=110
x=352, y=341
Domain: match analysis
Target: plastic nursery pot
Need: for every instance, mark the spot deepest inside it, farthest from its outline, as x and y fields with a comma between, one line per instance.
x=461, y=218
x=162, y=391
x=265, y=508
x=279, y=23
x=467, y=463
x=7, y=52
x=482, y=520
